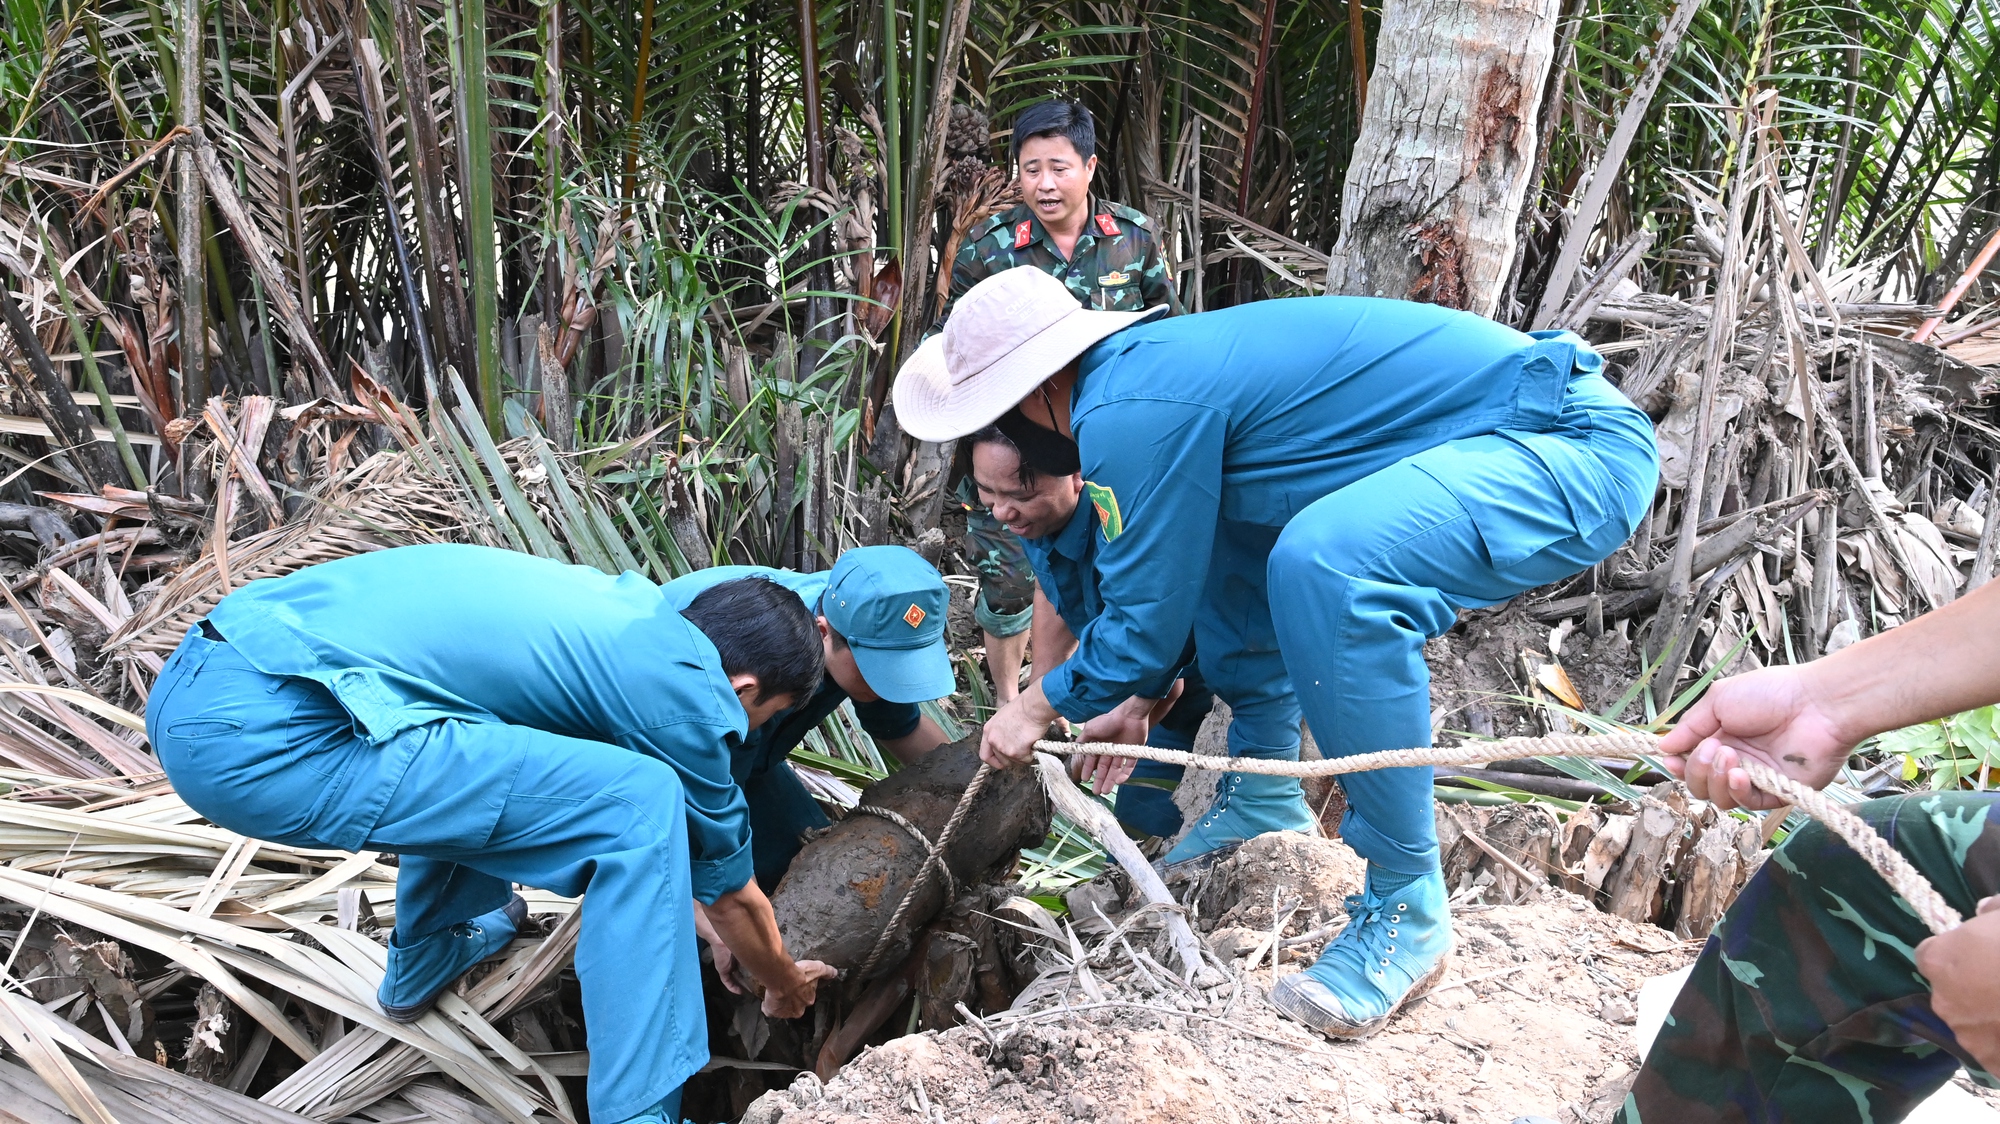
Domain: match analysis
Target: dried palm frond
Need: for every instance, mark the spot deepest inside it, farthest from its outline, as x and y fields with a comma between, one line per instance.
x=389, y=500
x=452, y=485
x=135, y=864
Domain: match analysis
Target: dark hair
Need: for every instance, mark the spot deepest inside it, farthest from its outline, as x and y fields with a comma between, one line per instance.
x=761, y=628
x=1055, y=119
x=991, y=435
x=1042, y=449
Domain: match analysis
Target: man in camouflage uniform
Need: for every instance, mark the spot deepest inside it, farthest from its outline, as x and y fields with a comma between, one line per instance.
x=1116, y=265
x=1005, y=605
x=1807, y=1003
x=1109, y=258
x=1820, y=996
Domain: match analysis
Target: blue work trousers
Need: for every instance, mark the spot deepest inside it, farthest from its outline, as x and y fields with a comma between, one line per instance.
x=481, y=806
x=1365, y=575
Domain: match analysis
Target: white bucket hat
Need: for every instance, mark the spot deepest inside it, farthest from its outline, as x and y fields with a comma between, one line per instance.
x=1008, y=334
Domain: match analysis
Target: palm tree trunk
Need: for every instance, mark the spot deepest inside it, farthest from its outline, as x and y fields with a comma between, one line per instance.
x=1447, y=142
x=194, y=276
x=436, y=234
x=482, y=267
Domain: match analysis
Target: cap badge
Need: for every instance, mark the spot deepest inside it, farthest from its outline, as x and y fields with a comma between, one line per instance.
x=914, y=617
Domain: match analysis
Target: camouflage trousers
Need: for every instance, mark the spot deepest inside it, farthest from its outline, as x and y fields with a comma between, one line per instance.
x=1806, y=1004
x=1006, y=602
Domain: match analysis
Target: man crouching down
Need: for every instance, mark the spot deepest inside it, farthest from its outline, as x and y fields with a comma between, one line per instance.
x=494, y=718
x=1368, y=467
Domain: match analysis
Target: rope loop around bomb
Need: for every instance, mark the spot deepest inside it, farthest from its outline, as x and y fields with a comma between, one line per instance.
x=931, y=849
x=935, y=858
x=1905, y=879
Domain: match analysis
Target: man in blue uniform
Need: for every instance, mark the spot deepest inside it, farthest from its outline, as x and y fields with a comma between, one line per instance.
x=1058, y=534
x=493, y=718
x=881, y=618
x=1372, y=466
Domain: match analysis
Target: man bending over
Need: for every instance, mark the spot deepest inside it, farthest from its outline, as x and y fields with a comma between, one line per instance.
x=880, y=615
x=1313, y=488
x=1059, y=535
x=494, y=718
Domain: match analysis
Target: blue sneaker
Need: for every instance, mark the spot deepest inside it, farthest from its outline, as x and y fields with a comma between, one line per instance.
x=1246, y=805
x=1394, y=949
x=419, y=973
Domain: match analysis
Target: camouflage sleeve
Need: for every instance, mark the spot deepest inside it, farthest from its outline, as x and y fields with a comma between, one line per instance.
x=967, y=269
x=1156, y=284
x=1806, y=1003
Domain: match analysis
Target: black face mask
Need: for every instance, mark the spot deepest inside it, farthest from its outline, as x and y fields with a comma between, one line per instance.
x=1043, y=450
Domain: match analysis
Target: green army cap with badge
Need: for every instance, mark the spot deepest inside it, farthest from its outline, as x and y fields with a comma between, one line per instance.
x=890, y=606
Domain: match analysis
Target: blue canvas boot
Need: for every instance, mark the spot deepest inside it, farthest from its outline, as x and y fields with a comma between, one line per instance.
x=1394, y=949
x=1246, y=805
x=419, y=973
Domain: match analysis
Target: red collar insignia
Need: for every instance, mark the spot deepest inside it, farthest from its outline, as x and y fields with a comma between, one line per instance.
x=1107, y=226
x=1024, y=234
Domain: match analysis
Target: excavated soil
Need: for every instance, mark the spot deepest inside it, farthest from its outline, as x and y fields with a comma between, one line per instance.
x=1534, y=1018
x=1480, y=670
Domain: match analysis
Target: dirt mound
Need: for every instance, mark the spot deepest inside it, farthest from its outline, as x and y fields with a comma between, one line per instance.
x=1286, y=875
x=1478, y=678
x=1534, y=1016
x=1041, y=1073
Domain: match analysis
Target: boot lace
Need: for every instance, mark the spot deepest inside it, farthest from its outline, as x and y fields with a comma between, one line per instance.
x=1370, y=940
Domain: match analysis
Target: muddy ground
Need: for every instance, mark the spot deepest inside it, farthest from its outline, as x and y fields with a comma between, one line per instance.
x=1534, y=1017
x=1489, y=661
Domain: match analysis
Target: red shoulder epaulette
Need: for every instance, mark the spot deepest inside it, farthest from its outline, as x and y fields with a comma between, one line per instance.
x=1106, y=224
x=1024, y=234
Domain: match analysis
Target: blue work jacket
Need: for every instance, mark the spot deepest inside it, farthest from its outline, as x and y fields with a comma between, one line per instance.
x=1065, y=571
x=1250, y=414
x=417, y=634
x=764, y=747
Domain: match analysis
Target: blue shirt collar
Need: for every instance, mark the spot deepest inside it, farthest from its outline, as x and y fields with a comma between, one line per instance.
x=1073, y=541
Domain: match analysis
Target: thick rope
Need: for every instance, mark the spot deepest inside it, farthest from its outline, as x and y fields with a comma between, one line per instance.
x=935, y=858
x=1905, y=879
x=1888, y=862
x=1559, y=745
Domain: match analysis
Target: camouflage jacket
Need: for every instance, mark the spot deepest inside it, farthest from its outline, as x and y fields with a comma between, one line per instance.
x=1117, y=265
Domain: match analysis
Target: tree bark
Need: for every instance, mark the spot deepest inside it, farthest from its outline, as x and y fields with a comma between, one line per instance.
x=188, y=220
x=1447, y=142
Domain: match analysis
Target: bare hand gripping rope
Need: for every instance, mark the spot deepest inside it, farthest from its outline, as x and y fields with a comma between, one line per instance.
x=1896, y=870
